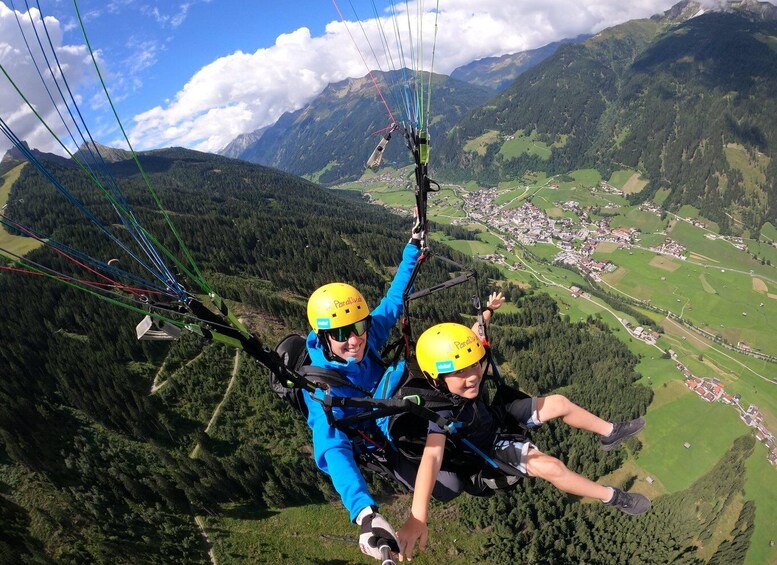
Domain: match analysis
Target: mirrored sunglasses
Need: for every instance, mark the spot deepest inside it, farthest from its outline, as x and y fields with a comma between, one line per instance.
x=343, y=333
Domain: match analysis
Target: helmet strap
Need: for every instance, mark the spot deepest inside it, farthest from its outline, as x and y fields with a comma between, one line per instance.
x=323, y=339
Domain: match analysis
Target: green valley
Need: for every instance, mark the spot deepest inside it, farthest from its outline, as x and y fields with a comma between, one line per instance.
x=712, y=298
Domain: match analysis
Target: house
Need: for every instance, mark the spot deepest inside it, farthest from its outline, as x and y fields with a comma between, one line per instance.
x=687, y=445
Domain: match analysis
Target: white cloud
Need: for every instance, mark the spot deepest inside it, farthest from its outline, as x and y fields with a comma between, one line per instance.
x=142, y=53
x=166, y=17
x=241, y=92
x=18, y=64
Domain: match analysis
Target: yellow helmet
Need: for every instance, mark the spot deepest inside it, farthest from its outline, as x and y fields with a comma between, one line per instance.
x=448, y=347
x=335, y=305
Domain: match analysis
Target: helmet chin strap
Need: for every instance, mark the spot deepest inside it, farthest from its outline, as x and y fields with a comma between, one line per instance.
x=323, y=339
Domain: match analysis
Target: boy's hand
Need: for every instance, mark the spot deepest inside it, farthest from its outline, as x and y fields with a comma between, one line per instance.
x=412, y=531
x=495, y=300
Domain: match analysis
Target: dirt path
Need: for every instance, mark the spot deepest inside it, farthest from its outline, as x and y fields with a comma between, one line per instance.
x=204, y=531
x=157, y=385
x=220, y=406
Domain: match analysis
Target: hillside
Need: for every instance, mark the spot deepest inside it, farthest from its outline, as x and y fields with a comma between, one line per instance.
x=330, y=139
x=689, y=104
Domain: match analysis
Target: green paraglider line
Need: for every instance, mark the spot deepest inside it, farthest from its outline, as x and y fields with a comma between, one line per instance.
x=97, y=182
x=431, y=68
x=199, y=278
x=25, y=267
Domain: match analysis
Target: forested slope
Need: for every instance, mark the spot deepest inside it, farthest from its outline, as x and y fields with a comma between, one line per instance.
x=690, y=105
x=93, y=465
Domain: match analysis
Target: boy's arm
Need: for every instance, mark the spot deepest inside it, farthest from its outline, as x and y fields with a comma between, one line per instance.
x=414, y=529
x=495, y=301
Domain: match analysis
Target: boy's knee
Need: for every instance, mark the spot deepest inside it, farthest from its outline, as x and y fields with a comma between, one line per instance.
x=556, y=405
x=559, y=400
x=546, y=467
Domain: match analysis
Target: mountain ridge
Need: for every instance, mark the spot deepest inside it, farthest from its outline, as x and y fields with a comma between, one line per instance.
x=672, y=100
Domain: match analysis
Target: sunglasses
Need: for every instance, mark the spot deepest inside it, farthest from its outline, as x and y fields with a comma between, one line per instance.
x=343, y=333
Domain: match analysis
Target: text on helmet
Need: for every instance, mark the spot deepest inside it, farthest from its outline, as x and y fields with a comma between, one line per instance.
x=349, y=301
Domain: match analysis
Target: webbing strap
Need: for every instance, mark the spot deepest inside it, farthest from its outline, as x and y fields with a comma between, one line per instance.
x=384, y=407
x=442, y=286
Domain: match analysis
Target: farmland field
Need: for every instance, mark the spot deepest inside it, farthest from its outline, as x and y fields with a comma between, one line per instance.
x=685, y=419
x=718, y=299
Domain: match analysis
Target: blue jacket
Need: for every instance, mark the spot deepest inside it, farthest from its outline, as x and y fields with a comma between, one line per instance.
x=332, y=448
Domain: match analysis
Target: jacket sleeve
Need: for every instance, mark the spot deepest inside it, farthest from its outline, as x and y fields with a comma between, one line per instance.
x=333, y=454
x=386, y=314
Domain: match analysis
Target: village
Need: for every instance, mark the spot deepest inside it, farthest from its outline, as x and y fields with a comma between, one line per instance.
x=529, y=225
x=712, y=390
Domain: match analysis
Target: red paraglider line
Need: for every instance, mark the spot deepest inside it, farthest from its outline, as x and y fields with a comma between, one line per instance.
x=130, y=289
x=23, y=229
x=372, y=78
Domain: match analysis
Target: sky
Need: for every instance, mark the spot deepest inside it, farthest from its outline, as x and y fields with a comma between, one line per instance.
x=197, y=73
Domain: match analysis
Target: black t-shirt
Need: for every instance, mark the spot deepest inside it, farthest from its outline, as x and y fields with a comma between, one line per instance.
x=479, y=425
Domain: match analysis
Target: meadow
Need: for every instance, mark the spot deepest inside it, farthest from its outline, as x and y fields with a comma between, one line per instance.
x=684, y=418
x=633, y=217
x=720, y=299
x=14, y=244
x=290, y=535
x=521, y=144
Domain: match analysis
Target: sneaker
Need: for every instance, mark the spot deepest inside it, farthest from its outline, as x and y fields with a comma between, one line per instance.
x=621, y=431
x=629, y=502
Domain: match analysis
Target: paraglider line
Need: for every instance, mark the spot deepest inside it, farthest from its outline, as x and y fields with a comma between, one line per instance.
x=372, y=77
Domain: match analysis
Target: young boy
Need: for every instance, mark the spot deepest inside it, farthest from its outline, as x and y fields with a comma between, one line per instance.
x=454, y=358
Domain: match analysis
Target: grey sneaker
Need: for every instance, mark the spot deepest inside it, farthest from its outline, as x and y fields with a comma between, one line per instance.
x=630, y=502
x=621, y=431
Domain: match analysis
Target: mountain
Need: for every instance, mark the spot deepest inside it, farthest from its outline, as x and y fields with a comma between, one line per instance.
x=687, y=9
x=237, y=146
x=687, y=99
x=330, y=139
x=92, y=152
x=14, y=156
x=498, y=72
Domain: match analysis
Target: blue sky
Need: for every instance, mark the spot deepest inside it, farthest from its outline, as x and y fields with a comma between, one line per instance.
x=196, y=73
